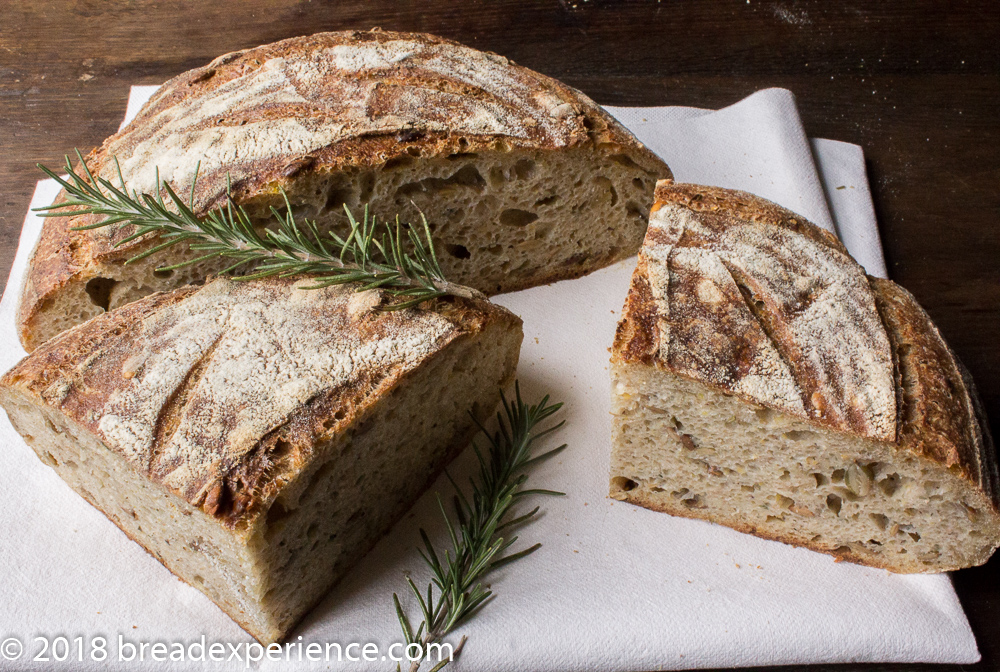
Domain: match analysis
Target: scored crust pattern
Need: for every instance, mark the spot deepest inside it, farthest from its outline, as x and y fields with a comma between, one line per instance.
x=735, y=292
x=328, y=101
x=193, y=388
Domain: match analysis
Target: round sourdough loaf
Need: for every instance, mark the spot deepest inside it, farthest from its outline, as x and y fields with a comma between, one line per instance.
x=524, y=180
x=762, y=381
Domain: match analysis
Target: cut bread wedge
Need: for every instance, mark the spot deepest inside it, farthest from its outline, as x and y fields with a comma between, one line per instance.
x=762, y=381
x=524, y=181
x=257, y=438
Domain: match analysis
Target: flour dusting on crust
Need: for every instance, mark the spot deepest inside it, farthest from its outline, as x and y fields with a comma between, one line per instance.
x=764, y=305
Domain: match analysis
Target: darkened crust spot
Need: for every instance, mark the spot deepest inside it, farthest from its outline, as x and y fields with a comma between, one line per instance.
x=637, y=333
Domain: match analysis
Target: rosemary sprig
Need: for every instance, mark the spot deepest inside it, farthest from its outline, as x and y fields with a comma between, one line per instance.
x=477, y=541
x=373, y=256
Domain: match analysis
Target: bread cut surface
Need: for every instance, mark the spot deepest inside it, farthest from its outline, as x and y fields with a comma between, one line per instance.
x=762, y=381
x=258, y=438
x=523, y=179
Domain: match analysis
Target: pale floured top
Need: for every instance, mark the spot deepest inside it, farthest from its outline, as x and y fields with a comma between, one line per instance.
x=761, y=310
x=277, y=103
x=246, y=356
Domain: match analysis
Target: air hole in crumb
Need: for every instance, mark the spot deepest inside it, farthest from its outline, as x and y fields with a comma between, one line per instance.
x=163, y=273
x=457, y=251
x=838, y=475
x=623, y=160
x=275, y=513
x=971, y=512
x=833, y=502
x=397, y=162
x=889, y=484
x=799, y=435
x=881, y=521
x=633, y=210
x=99, y=291
x=516, y=217
x=497, y=177
x=609, y=185
x=821, y=480
x=678, y=425
x=312, y=530
x=680, y=493
x=524, y=169
x=548, y=200
x=337, y=197
x=785, y=475
x=623, y=484
x=198, y=579
x=281, y=448
x=764, y=414
x=638, y=183
x=466, y=176
x=914, y=536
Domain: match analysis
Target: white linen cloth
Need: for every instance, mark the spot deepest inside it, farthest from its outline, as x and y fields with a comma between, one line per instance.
x=614, y=587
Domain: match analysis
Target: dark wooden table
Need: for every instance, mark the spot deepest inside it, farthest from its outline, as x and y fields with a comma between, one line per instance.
x=914, y=82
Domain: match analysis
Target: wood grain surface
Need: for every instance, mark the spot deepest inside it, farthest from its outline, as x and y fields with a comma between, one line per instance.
x=916, y=83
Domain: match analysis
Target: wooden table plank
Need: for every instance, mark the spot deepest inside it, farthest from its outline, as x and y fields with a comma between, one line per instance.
x=914, y=82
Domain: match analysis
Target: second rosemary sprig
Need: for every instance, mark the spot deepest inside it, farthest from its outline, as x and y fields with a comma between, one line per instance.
x=392, y=257
x=480, y=536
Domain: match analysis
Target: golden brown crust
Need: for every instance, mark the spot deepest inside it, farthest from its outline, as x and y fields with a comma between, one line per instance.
x=938, y=404
x=742, y=206
x=735, y=292
x=175, y=383
x=313, y=105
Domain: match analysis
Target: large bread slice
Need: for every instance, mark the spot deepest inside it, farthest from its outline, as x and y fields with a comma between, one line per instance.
x=257, y=438
x=524, y=180
x=762, y=381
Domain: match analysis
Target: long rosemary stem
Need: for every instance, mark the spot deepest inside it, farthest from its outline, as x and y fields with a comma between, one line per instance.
x=392, y=257
x=478, y=540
